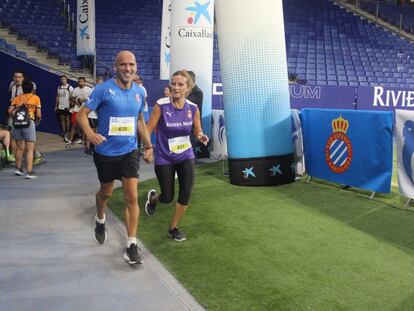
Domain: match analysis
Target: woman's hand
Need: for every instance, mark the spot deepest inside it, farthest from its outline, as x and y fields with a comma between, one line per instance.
x=202, y=138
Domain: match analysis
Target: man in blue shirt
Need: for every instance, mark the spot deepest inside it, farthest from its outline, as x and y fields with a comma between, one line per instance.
x=119, y=104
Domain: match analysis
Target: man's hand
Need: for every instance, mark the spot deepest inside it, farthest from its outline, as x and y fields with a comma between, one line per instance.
x=148, y=154
x=96, y=138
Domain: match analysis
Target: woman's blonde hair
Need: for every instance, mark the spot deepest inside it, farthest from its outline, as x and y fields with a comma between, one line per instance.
x=185, y=74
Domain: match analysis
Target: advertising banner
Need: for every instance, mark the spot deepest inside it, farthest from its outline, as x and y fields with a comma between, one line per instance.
x=404, y=139
x=85, y=27
x=192, y=33
x=165, y=40
x=349, y=147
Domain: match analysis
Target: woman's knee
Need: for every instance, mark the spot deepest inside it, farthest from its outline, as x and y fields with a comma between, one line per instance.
x=166, y=198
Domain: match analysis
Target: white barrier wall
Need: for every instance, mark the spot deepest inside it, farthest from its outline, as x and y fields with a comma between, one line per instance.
x=165, y=40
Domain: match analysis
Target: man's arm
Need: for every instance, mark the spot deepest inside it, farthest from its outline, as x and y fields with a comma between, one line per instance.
x=11, y=86
x=154, y=118
x=143, y=133
x=57, y=102
x=82, y=120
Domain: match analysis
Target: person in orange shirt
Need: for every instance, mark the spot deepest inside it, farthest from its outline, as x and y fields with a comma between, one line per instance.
x=26, y=137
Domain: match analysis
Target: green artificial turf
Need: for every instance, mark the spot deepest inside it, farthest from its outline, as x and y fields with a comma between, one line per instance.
x=302, y=246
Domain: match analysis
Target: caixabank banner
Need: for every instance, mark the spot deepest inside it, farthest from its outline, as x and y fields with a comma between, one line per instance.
x=192, y=33
x=85, y=27
x=349, y=147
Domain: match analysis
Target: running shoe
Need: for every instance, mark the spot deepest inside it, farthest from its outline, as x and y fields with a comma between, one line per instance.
x=30, y=175
x=132, y=255
x=176, y=234
x=18, y=172
x=38, y=160
x=100, y=233
x=79, y=141
x=11, y=158
x=69, y=144
x=150, y=207
x=67, y=137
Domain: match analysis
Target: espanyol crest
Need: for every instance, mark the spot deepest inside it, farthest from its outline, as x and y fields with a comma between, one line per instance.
x=338, y=149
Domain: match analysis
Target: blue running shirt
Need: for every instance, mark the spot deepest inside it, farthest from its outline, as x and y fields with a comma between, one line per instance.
x=118, y=112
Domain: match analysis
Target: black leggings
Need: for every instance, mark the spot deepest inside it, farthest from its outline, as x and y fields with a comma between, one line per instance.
x=165, y=175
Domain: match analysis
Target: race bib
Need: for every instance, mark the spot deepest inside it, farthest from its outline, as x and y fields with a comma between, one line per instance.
x=178, y=145
x=121, y=126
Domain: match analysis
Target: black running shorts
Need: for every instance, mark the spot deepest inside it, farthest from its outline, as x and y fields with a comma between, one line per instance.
x=63, y=112
x=111, y=168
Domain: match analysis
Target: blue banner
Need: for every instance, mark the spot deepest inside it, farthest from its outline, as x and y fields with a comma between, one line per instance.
x=307, y=96
x=312, y=96
x=353, y=148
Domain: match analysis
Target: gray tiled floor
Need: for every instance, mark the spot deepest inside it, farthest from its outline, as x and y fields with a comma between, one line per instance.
x=48, y=259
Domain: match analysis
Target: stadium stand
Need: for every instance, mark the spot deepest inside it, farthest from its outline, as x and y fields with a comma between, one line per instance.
x=42, y=24
x=392, y=13
x=326, y=44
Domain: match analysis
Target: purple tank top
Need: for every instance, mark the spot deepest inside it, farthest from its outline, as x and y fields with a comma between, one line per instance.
x=174, y=127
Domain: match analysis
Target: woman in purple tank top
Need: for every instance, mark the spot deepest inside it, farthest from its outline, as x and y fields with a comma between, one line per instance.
x=174, y=118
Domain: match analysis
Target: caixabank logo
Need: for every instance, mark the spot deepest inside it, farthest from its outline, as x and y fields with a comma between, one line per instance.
x=198, y=21
x=338, y=149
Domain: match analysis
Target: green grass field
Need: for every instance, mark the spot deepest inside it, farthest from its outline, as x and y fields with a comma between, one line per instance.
x=302, y=246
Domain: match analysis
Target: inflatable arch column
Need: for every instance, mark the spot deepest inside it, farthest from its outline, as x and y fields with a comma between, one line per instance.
x=251, y=39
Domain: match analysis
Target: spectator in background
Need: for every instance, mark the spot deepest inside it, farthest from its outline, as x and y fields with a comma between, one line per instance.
x=15, y=88
x=26, y=137
x=168, y=91
x=78, y=96
x=5, y=138
x=196, y=94
x=62, y=105
x=93, y=123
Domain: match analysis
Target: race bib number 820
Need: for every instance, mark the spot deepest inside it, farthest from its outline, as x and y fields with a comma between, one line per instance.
x=122, y=126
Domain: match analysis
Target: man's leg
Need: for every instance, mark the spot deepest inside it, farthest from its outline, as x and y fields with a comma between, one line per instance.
x=72, y=132
x=62, y=122
x=130, y=186
x=102, y=197
x=67, y=123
